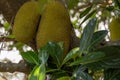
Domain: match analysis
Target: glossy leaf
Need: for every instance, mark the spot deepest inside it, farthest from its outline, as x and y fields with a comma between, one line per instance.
x=43, y=54
x=38, y=73
x=87, y=35
x=90, y=15
x=35, y=73
x=56, y=52
x=98, y=37
x=71, y=55
x=30, y=57
x=42, y=75
x=111, y=59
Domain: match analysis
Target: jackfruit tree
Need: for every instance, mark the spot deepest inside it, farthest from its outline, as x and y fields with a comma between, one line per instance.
x=63, y=39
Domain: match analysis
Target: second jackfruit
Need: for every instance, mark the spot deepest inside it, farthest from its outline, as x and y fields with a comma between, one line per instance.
x=55, y=25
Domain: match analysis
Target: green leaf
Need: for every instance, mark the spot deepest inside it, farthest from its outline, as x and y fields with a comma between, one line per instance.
x=111, y=59
x=64, y=78
x=72, y=54
x=30, y=57
x=56, y=52
x=58, y=74
x=72, y=3
x=19, y=46
x=35, y=73
x=42, y=72
x=80, y=74
x=89, y=58
x=11, y=36
x=117, y=2
x=87, y=35
x=112, y=74
x=90, y=15
x=43, y=54
x=98, y=37
x=38, y=73
x=6, y=25
x=85, y=12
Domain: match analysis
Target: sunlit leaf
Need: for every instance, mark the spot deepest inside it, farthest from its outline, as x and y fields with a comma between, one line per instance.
x=6, y=25
x=11, y=36
x=35, y=73
x=42, y=75
x=38, y=73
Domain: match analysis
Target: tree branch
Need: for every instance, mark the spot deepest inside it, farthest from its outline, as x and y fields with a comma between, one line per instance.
x=22, y=66
x=5, y=39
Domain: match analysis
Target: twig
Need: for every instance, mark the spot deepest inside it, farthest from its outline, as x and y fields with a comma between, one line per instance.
x=5, y=39
x=113, y=42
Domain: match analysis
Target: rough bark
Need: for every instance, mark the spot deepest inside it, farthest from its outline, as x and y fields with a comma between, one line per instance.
x=22, y=66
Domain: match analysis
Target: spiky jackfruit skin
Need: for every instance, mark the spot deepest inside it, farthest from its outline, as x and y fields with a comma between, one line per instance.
x=55, y=25
x=26, y=22
x=114, y=28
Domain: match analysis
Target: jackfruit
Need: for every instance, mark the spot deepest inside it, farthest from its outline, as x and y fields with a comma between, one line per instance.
x=26, y=22
x=55, y=25
x=114, y=28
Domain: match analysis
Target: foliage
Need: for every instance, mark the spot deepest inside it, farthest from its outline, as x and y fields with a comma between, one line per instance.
x=79, y=63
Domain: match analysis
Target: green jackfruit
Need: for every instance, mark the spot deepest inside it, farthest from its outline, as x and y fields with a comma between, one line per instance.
x=114, y=28
x=26, y=22
x=55, y=25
